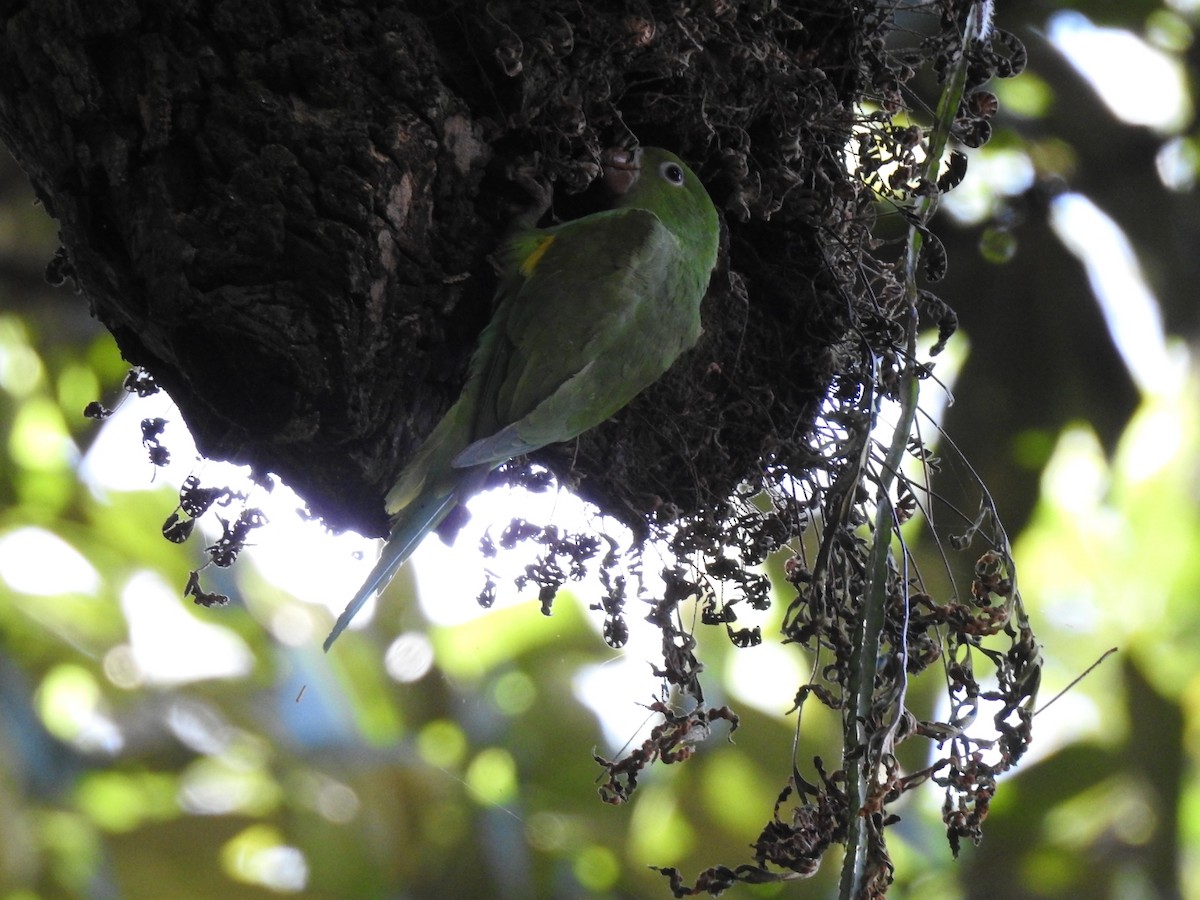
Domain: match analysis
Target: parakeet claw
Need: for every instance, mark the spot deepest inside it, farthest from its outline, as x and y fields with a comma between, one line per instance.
x=540, y=191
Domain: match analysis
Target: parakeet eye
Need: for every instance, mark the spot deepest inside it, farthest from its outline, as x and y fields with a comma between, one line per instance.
x=673, y=172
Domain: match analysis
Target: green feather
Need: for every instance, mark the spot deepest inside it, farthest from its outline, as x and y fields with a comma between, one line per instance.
x=591, y=313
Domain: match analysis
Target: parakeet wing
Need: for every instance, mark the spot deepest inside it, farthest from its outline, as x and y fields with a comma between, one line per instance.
x=598, y=318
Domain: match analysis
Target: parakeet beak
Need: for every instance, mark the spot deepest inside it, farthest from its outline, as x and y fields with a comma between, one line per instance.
x=621, y=168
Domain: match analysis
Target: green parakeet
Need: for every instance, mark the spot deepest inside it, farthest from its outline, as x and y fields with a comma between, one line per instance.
x=590, y=313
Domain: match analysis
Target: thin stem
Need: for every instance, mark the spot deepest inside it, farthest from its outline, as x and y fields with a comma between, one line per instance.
x=858, y=729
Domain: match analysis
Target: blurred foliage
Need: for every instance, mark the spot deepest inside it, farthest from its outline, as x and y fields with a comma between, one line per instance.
x=278, y=770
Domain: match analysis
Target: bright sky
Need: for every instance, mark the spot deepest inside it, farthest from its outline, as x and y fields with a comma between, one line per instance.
x=1141, y=84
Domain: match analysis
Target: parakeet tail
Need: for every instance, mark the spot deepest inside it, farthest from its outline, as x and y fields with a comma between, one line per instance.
x=414, y=523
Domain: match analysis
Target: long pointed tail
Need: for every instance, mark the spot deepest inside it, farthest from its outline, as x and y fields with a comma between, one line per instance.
x=416, y=521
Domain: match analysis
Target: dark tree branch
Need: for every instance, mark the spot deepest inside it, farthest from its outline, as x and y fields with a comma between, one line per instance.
x=283, y=212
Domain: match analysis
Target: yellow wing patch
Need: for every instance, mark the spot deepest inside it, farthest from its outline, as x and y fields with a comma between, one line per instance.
x=529, y=263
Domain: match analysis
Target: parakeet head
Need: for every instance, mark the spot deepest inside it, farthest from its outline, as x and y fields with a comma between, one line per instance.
x=657, y=180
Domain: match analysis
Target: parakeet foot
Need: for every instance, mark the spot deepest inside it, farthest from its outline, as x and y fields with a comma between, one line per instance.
x=540, y=191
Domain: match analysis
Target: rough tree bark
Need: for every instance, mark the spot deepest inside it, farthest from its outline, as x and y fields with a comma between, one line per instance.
x=283, y=211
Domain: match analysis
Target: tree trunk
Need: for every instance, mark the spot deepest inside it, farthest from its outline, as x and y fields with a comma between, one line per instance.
x=283, y=212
